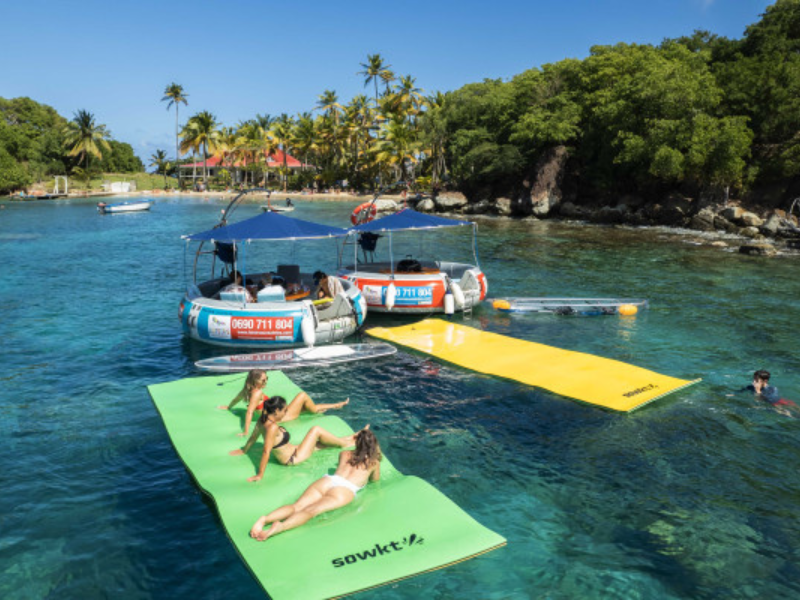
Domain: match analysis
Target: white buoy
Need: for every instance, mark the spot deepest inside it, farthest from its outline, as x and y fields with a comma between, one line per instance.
x=458, y=295
x=391, y=294
x=449, y=303
x=308, y=329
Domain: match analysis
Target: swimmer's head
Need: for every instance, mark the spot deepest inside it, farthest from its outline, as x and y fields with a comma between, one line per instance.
x=761, y=375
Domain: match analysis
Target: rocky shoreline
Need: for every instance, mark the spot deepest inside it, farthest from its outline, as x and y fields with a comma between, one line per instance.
x=761, y=234
x=550, y=193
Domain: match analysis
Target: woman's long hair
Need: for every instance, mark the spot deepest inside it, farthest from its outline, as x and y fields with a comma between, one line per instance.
x=271, y=406
x=367, y=452
x=252, y=378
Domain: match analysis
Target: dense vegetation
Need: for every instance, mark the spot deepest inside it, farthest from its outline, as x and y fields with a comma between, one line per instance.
x=34, y=146
x=702, y=114
x=699, y=113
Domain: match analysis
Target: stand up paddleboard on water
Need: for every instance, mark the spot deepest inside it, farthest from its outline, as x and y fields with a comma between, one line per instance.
x=295, y=358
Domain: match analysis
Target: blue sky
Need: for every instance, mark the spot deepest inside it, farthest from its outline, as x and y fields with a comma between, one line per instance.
x=237, y=58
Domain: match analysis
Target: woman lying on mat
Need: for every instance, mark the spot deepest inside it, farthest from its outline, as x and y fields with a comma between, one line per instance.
x=276, y=438
x=356, y=468
x=253, y=394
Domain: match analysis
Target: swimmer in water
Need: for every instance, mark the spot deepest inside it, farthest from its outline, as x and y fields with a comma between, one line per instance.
x=761, y=388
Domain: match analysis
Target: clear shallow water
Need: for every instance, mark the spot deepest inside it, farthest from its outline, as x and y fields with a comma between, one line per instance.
x=695, y=496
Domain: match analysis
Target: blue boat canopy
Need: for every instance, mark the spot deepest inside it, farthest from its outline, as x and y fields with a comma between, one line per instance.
x=406, y=219
x=267, y=226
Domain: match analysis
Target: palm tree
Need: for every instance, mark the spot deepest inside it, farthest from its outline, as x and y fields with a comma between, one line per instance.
x=328, y=103
x=305, y=137
x=374, y=69
x=82, y=136
x=387, y=77
x=202, y=131
x=281, y=130
x=408, y=97
x=173, y=94
x=434, y=131
x=399, y=146
x=159, y=161
x=248, y=142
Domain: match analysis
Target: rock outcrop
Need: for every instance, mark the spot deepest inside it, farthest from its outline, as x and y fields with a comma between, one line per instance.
x=542, y=194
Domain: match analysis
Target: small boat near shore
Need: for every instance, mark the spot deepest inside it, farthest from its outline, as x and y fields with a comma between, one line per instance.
x=124, y=207
x=572, y=306
x=277, y=209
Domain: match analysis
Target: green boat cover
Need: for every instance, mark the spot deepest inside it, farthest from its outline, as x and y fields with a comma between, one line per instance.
x=397, y=527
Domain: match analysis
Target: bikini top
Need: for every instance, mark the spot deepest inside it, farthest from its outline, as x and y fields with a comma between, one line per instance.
x=284, y=440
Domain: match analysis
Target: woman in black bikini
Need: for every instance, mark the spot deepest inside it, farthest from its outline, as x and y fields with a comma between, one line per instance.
x=277, y=439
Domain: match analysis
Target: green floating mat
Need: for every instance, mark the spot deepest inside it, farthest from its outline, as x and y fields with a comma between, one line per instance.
x=397, y=527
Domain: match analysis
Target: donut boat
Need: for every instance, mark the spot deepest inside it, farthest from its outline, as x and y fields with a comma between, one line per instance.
x=409, y=285
x=275, y=315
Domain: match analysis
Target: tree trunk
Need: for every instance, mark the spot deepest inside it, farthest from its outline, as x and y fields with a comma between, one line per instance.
x=177, y=148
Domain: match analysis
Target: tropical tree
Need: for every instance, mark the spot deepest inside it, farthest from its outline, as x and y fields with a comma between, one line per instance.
x=159, y=161
x=174, y=94
x=202, y=132
x=374, y=69
x=399, y=147
x=305, y=137
x=408, y=100
x=282, y=132
x=266, y=144
x=435, y=136
x=84, y=137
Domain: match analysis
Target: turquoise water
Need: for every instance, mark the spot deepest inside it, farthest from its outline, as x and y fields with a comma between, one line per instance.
x=694, y=496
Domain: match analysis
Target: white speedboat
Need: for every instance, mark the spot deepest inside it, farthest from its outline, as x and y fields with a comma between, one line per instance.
x=122, y=207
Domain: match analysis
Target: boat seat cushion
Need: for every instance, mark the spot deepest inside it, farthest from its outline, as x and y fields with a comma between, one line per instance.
x=272, y=293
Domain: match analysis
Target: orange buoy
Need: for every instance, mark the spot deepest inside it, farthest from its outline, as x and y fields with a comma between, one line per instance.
x=501, y=305
x=627, y=310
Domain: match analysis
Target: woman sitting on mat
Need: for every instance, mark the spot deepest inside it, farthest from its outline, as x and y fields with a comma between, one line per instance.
x=253, y=394
x=277, y=439
x=356, y=468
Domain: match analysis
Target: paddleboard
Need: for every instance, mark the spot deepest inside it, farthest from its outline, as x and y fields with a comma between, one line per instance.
x=572, y=306
x=295, y=358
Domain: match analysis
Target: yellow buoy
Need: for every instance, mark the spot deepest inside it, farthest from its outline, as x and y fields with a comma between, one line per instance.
x=627, y=310
x=501, y=305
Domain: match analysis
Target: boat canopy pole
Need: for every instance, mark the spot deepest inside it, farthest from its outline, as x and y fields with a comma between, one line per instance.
x=355, y=256
x=232, y=204
x=475, y=244
x=391, y=253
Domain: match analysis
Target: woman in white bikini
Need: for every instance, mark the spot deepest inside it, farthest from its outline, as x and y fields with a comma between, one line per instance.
x=253, y=393
x=277, y=439
x=356, y=468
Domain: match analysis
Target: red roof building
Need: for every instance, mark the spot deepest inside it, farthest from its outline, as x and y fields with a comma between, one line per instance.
x=215, y=164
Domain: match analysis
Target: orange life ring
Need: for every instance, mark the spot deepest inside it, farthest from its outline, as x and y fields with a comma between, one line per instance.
x=369, y=210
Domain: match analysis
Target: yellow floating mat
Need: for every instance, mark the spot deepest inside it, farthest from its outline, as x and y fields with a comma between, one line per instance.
x=584, y=377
